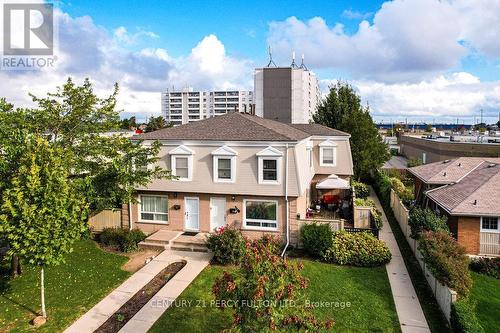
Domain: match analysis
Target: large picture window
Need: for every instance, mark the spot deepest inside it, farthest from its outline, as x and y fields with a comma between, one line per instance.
x=154, y=208
x=261, y=214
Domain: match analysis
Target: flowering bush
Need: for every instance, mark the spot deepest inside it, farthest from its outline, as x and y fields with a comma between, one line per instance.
x=404, y=193
x=446, y=260
x=486, y=266
x=227, y=244
x=361, y=190
x=357, y=249
x=266, y=293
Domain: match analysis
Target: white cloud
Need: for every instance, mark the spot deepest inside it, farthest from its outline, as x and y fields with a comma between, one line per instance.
x=88, y=50
x=406, y=41
x=458, y=95
x=355, y=15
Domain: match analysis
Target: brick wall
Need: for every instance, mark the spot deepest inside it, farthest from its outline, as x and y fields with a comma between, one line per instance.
x=468, y=234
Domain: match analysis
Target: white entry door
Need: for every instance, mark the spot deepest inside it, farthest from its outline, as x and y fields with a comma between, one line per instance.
x=217, y=212
x=192, y=213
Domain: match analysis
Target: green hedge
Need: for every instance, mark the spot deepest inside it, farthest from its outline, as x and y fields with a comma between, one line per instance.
x=316, y=238
x=447, y=260
x=361, y=190
x=124, y=240
x=421, y=220
x=357, y=249
x=463, y=317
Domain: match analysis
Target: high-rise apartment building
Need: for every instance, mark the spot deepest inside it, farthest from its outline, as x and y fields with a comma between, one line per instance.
x=186, y=105
x=286, y=94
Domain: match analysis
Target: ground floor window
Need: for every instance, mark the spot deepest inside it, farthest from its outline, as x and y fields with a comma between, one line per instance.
x=262, y=214
x=154, y=208
x=490, y=224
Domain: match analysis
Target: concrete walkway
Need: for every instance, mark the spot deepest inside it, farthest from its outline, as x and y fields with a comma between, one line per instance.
x=144, y=319
x=411, y=316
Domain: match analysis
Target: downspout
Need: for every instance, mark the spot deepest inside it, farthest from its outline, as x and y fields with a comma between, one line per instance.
x=286, y=202
x=129, y=215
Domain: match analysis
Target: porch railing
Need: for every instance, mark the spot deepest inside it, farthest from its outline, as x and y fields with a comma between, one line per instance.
x=375, y=232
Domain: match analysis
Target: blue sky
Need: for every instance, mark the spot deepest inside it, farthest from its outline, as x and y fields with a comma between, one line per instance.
x=419, y=59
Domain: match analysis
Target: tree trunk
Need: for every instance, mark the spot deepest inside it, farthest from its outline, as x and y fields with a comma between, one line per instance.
x=42, y=293
x=15, y=266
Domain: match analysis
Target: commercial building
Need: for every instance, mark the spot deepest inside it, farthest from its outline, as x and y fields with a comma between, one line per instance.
x=186, y=105
x=435, y=150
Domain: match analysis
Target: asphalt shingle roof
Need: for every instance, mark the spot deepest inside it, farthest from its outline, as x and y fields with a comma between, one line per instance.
x=235, y=126
x=478, y=193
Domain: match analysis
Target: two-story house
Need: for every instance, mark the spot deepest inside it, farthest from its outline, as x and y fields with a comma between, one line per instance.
x=238, y=169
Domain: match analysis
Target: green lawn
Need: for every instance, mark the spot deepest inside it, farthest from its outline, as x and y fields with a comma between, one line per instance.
x=366, y=289
x=486, y=291
x=70, y=289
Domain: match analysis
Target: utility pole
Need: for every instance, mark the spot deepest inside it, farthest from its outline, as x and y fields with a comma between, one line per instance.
x=481, y=116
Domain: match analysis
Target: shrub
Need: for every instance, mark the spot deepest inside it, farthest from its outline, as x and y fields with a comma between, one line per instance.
x=316, y=238
x=421, y=220
x=447, y=260
x=463, y=317
x=361, y=190
x=274, y=243
x=413, y=162
x=124, y=240
x=486, y=266
x=357, y=249
x=261, y=291
x=228, y=246
x=404, y=193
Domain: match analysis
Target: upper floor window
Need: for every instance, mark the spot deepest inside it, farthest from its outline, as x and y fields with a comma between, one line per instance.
x=490, y=224
x=328, y=153
x=269, y=165
x=224, y=165
x=182, y=163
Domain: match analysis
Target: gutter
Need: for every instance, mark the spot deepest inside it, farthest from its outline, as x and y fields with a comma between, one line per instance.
x=129, y=216
x=286, y=203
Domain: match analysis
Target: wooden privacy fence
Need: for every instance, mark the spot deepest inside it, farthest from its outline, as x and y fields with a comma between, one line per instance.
x=444, y=295
x=106, y=219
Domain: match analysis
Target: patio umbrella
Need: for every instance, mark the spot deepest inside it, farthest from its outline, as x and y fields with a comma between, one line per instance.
x=333, y=182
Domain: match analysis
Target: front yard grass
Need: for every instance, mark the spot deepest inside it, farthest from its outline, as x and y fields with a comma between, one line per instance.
x=485, y=291
x=366, y=289
x=71, y=289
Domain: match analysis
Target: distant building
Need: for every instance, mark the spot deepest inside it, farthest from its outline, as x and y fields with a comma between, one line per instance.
x=430, y=150
x=186, y=105
x=286, y=94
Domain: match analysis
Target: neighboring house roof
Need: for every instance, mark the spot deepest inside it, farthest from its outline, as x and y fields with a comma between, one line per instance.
x=449, y=171
x=235, y=126
x=318, y=129
x=477, y=194
x=396, y=162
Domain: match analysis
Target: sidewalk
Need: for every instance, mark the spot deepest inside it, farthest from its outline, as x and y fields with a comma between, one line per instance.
x=411, y=316
x=144, y=319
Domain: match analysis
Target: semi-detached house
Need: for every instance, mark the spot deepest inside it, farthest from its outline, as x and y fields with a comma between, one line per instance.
x=238, y=169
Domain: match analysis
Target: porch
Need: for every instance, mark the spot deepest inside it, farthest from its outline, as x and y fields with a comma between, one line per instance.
x=331, y=199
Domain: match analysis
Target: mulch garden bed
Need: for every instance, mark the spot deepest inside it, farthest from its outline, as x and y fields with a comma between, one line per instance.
x=141, y=298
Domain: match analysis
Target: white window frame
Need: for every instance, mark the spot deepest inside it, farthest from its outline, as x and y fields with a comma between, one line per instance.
x=224, y=152
x=269, y=153
x=490, y=230
x=141, y=220
x=183, y=152
x=254, y=220
x=328, y=144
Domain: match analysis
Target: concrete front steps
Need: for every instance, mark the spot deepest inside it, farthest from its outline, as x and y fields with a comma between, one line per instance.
x=175, y=240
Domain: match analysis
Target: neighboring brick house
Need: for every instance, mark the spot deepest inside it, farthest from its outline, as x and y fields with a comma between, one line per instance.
x=239, y=169
x=467, y=191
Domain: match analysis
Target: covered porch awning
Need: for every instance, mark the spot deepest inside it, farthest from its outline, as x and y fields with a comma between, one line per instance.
x=333, y=182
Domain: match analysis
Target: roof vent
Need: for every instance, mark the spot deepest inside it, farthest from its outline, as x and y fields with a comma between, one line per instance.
x=446, y=161
x=459, y=164
x=491, y=165
x=475, y=202
x=444, y=173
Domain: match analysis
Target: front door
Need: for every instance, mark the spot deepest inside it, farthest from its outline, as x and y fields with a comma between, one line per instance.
x=191, y=220
x=217, y=212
